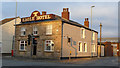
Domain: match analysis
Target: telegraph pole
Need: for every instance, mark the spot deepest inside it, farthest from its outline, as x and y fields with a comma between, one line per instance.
x=91, y=31
x=13, y=47
x=100, y=37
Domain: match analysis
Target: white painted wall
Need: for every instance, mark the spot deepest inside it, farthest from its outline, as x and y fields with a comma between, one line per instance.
x=8, y=30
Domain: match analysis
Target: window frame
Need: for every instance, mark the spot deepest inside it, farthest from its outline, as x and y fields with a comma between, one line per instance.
x=51, y=47
x=83, y=33
x=85, y=47
x=23, y=29
x=35, y=29
x=93, y=35
x=80, y=46
x=93, y=48
x=25, y=43
x=49, y=29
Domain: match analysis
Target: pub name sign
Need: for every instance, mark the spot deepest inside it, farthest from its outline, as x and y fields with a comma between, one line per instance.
x=35, y=16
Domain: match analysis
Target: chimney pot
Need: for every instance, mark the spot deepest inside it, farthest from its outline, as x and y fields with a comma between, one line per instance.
x=43, y=12
x=65, y=13
x=86, y=22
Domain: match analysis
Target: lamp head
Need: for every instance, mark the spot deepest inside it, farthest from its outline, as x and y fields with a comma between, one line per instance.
x=92, y=6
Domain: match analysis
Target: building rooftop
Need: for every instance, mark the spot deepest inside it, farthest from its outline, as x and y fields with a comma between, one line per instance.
x=56, y=17
x=6, y=20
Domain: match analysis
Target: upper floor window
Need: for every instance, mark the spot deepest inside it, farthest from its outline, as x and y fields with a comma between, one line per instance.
x=48, y=29
x=85, y=47
x=35, y=30
x=93, y=35
x=23, y=31
x=22, y=45
x=83, y=33
x=49, y=45
x=80, y=47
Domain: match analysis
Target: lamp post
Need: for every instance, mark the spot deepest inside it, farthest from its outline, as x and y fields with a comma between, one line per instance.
x=100, y=37
x=91, y=31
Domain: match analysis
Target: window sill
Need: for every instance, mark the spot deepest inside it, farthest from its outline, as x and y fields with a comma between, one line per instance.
x=22, y=35
x=35, y=35
x=48, y=51
x=22, y=50
x=80, y=51
x=48, y=34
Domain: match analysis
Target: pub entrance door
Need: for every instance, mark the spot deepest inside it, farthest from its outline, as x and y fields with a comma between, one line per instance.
x=34, y=49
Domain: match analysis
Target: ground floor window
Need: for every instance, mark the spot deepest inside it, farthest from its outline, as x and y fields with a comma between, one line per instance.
x=22, y=45
x=85, y=47
x=93, y=48
x=80, y=47
x=49, y=45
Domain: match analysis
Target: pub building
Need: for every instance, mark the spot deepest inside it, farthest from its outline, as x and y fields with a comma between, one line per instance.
x=54, y=37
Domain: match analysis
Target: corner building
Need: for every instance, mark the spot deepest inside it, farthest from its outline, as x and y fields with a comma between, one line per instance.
x=56, y=37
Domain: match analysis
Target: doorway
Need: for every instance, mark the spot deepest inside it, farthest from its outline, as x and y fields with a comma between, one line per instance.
x=34, y=49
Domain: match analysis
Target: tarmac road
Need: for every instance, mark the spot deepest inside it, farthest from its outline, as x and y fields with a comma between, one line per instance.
x=104, y=61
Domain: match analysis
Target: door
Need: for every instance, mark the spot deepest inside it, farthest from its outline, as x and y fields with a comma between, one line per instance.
x=34, y=49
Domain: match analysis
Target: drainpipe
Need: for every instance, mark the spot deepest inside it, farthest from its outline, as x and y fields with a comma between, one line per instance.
x=62, y=39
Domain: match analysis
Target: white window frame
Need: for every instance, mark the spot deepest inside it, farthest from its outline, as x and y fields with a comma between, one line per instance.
x=83, y=33
x=51, y=47
x=35, y=29
x=85, y=47
x=93, y=47
x=23, y=29
x=24, y=45
x=93, y=35
x=80, y=46
x=49, y=29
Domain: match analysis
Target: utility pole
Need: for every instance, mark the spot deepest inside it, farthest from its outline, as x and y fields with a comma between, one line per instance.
x=100, y=37
x=91, y=32
x=13, y=46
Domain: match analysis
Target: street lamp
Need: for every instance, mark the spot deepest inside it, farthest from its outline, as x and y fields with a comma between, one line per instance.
x=91, y=15
x=100, y=38
x=91, y=31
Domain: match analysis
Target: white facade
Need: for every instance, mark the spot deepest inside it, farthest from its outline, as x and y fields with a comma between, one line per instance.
x=102, y=50
x=7, y=32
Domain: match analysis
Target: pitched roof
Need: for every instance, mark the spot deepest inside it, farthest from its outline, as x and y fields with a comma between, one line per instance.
x=63, y=19
x=75, y=23
x=6, y=20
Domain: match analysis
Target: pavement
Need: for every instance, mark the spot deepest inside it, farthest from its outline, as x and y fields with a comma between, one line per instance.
x=102, y=61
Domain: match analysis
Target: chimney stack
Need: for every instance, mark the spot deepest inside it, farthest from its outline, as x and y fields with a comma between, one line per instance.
x=43, y=12
x=86, y=22
x=65, y=13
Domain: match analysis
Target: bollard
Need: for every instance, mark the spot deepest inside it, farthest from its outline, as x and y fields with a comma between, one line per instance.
x=12, y=52
x=70, y=56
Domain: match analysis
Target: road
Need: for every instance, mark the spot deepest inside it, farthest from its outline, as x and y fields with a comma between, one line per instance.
x=104, y=61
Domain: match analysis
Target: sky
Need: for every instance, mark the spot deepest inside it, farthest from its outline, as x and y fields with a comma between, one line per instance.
x=104, y=12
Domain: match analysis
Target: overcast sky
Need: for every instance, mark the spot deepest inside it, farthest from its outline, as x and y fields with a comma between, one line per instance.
x=104, y=12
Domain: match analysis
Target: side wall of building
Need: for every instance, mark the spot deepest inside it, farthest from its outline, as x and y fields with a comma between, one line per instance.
x=75, y=33
x=41, y=53
x=8, y=30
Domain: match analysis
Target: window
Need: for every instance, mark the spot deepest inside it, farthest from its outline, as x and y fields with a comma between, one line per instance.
x=80, y=47
x=48, y=29
x=93, y=36
x=93, y=48
x=49, y=45
x=22, y=45
x=83, y=33
x=22, y=31
x=69, y=40
x=35, y=30
x=85, y=47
